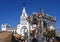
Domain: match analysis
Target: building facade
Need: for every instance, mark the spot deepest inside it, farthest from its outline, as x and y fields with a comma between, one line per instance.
x=23, y=26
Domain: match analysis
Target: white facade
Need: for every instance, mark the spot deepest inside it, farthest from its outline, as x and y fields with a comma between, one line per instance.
x=24, y=25
x=5, y=26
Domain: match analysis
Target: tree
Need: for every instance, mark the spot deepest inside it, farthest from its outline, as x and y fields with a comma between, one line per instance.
x=49, y=33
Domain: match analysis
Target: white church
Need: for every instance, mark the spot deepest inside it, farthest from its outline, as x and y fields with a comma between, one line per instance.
x=24, y=25
x=23, y=28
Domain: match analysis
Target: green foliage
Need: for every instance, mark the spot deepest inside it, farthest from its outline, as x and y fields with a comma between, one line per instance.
x=49, y=33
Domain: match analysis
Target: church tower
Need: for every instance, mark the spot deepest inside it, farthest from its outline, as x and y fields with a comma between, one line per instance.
x=23, y=26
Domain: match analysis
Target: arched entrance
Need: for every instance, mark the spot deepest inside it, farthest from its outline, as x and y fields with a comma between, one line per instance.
x=24, y=31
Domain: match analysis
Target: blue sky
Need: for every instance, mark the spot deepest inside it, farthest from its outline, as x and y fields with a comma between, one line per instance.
x=11, y=10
